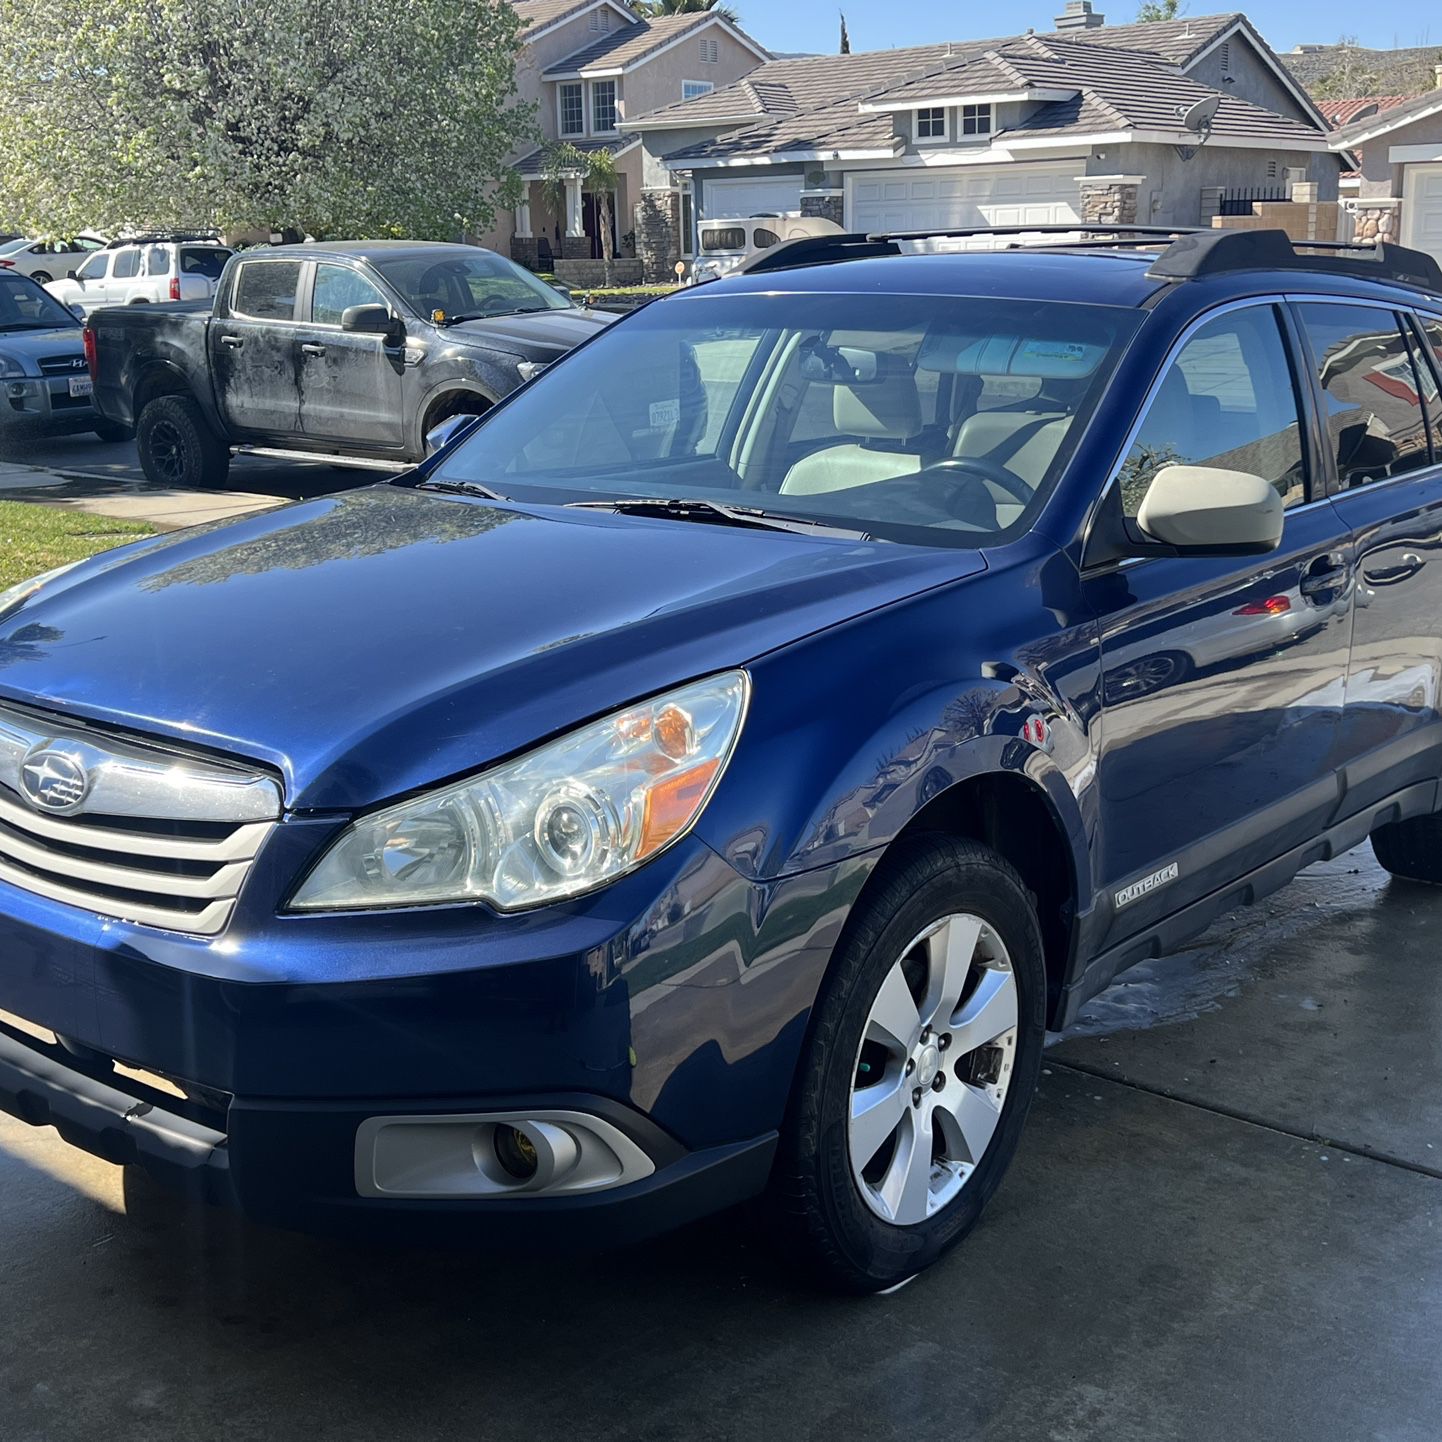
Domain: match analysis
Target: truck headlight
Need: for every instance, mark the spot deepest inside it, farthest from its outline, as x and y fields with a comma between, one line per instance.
x=563, y=819
x=15, y=596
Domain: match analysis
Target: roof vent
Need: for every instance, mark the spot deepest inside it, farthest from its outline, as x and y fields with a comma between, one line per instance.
x=1079, y=15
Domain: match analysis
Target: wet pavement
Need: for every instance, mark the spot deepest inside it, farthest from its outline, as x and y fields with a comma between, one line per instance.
x=1225, y=1221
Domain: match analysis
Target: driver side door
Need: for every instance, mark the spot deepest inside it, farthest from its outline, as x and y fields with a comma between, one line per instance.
x=1222, y=677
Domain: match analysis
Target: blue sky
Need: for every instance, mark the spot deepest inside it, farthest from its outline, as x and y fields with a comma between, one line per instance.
x=812, y=25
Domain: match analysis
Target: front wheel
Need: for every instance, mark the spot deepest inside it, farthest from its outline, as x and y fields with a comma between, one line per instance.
x=177, y=446
x=923, y=1056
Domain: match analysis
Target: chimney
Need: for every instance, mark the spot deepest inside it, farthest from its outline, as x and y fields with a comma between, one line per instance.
x=1079, y=15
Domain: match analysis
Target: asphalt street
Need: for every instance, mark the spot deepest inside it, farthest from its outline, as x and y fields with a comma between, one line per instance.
x=1224, y=1222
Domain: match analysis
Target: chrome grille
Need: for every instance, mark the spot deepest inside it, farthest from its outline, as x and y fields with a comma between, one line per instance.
x=127, y=830
x=63, y=365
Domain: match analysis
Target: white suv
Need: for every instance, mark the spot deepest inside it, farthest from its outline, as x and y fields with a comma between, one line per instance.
x=144, y=268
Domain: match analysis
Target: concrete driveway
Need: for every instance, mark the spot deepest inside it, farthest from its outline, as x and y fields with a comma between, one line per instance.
x=1225, y=1222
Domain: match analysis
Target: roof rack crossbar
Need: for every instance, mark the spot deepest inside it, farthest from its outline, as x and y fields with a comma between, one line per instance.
x=1216, y=252
x=162, y=237
x=815, y=250
x=1080, y=227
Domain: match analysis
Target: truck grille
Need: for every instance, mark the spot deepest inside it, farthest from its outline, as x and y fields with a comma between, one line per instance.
x=62, y=365
x=124, y=829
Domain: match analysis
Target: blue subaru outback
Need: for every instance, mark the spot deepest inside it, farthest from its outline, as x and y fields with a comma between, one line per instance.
x=711, y=773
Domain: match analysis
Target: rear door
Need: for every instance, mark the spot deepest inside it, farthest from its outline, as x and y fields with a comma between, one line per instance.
x=1222, y=678
x=350, y=383
x=253, y=353
x=1378, y=396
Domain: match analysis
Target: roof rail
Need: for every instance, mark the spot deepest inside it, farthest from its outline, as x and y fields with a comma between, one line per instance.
x=1216, y=252
x=1078, y=227
x=162, y=237
x=815, y=250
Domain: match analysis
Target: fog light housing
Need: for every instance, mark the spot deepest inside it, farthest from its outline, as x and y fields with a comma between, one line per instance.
x=494, y=1154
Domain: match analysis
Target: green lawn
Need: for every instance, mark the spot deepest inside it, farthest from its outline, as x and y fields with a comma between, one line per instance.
x=39, y=538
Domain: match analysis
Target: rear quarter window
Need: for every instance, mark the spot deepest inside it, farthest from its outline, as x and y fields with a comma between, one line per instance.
x=733, y=237
x=207, y=260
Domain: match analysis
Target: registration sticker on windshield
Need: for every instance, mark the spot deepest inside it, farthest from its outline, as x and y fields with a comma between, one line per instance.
x=664, y=414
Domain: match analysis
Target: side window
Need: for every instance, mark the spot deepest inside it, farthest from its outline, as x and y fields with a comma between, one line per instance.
x=157, y=260
x=1431, y=331
x=265, y=289
x=1373, y=398
x=1228, y=400
x=206, y=260
x=764, y=238
x=94, y=268
x=337, y=287
x=127, y=264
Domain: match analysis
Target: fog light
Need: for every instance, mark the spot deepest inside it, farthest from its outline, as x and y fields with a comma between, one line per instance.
x=516, y=1152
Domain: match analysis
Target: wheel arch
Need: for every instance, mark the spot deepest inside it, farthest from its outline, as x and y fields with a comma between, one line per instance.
x=451, y=398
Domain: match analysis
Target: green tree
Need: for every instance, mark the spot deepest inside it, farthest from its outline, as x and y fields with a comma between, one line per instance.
x=597, y=172
x=1153, y=10
x=379, y=117
x=652, y=8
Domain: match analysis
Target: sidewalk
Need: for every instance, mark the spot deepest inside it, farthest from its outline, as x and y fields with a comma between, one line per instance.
x=166, y=510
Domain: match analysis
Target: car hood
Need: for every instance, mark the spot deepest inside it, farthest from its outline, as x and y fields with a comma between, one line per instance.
x=28, y=346
x=542, y=333
x=372, y=642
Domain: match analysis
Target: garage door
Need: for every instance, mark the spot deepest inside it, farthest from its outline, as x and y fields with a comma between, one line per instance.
x=955, y=199
x=1422, y=208
x=722, y=199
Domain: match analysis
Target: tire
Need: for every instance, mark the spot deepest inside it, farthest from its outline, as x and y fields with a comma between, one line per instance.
x=859, y=1227
x=1411, y=849
x=113, y=431
x=177, y=446
x=41, y=277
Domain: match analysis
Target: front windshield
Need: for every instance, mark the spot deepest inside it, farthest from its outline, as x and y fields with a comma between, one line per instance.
x=24, y=306
x=926, y=418
x=468, y=284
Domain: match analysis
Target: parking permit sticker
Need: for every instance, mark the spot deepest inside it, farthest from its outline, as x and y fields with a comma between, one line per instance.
x=665, y=413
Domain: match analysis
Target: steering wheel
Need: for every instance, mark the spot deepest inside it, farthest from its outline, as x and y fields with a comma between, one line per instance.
x=1009, y=481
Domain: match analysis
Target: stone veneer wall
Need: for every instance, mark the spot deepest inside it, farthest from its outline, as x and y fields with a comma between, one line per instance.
x=824, y=207
x=526, y=251
x=582, y=274
x=1378, y=222
x=1108, y=202
x=658, y=221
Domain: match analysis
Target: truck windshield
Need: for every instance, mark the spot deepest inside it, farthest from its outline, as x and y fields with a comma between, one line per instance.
x=935, y=419
x=25, y=306
x=468, y=284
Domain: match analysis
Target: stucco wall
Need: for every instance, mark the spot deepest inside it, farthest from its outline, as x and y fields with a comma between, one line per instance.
x=1251, y=79
x=1379, y=175
x=656, y=144
x=658, y=81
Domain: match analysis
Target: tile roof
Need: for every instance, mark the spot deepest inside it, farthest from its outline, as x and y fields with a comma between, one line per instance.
x=1117, y=89
x=535, y=163
x=536, y=13
x=1338, y=113
x=623, y=47
x=1417, y=108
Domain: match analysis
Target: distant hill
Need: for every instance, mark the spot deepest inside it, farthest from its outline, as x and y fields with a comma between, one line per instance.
x=1344, y=70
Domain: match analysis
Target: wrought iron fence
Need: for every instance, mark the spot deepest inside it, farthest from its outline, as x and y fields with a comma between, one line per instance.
x=1240, y=200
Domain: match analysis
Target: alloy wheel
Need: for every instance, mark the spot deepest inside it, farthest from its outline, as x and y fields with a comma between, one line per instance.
x=167, y=451
x=932, y=1070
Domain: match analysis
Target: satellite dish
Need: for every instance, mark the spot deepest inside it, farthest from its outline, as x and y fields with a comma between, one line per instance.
x=1198, y=117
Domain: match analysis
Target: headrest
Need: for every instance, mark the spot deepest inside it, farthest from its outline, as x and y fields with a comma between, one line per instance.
x=888, y=408
x=1058, y=357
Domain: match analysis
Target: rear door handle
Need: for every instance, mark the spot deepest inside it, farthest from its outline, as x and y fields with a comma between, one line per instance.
x=1409, y=565
x=311, y=348
x=233, y=341
x=1326, y=573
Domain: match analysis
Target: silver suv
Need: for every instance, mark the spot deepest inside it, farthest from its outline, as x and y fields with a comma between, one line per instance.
x=144, y=268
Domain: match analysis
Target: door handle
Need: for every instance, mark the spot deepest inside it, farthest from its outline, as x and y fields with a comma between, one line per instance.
x=1409, y=565
x=1326, y=573
x=234, y=342
x=311, y=348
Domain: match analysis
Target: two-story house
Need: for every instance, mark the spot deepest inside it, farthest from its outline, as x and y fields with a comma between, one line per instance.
x=1145, y=123
x=590, y=65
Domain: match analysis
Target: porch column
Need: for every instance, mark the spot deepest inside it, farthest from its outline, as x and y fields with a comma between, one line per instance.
x=574, y=224
x=523, y=216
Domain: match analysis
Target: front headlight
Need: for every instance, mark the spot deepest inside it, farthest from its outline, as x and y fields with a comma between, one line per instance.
x=15, y=596
x=9, y=366
x=563, y=819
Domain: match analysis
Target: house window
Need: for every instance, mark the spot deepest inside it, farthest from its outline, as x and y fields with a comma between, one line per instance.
x=603, y=106
x=710, y=52
x=573, y=111
x=690, y=89
x=976, y=120
x=931, y=123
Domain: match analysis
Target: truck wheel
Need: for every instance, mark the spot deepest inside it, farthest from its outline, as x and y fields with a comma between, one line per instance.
x=113, y=431
x=1411, y=849
x=924, y=1052
x=177, y=446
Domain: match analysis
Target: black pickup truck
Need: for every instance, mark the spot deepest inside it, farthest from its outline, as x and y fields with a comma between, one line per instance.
x=352, y=351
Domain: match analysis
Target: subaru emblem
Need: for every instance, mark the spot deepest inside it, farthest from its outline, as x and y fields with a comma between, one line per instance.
x=53, y=780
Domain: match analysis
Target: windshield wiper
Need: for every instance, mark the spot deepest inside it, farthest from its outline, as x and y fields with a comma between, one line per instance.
x=714, y=513
x=497, y=314
x=463, y=488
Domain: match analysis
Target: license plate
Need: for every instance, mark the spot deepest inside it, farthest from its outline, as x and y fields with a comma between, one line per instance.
x=81, y=385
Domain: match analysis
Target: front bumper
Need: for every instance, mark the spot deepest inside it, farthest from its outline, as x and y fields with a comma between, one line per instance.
x=43, y=405
x=672, y=1005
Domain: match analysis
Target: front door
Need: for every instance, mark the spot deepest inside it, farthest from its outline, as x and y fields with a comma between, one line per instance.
x=1378, y=394
x=253, y=351
x=1222, y=678
x=350, y=382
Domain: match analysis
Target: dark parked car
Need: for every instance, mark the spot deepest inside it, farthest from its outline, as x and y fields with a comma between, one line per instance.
x=45, y=386
x=354, y=351
x=714, y=772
